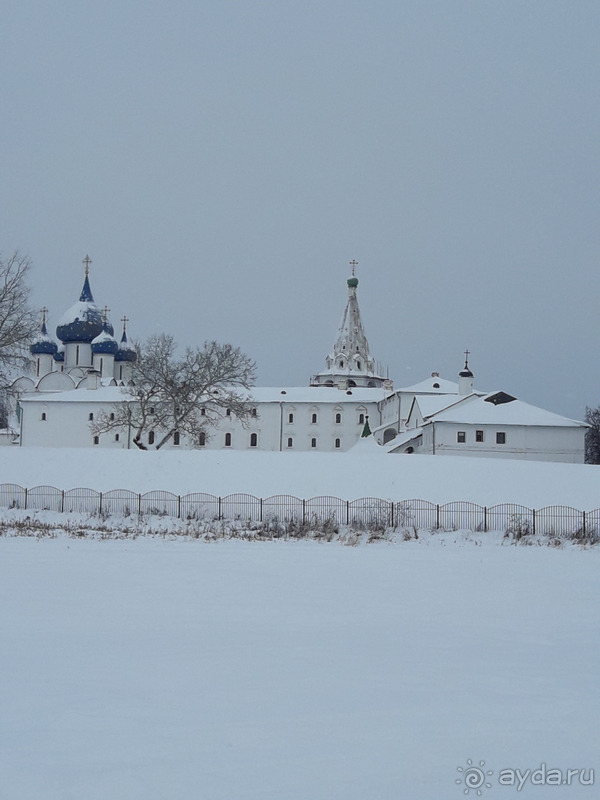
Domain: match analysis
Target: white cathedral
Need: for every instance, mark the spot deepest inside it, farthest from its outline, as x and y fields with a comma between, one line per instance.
x=90, y=371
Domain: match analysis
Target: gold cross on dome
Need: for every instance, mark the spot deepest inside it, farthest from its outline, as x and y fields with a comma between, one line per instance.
x=106, y=310
x=87, y=261
x=124, y=320
x=44, y=311
x=467, y=354
x=353, y=264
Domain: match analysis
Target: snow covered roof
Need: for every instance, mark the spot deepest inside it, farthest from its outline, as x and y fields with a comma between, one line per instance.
x=432, y=385
x=432, y=404
x=105, y=343
x=403, y=439
x=104, y=394
x=473, y=410
x=315, y=394
x=43, y=343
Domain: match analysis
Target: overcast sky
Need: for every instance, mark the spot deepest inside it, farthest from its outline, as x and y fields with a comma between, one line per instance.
x=222, y=161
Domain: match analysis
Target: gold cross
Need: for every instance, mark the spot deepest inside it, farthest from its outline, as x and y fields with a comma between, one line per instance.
x=124, y=320
x=87, y=261
x=353, y=264
x=106, y=310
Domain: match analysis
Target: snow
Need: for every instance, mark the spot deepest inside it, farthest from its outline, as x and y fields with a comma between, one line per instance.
x=440, y=479
x=444, y=387
x=478, y=411
x=79, y=311
x=151, y=669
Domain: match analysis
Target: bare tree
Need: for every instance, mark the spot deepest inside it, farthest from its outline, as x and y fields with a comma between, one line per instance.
x=592, y=436
x=17, y=319
x=185, y=396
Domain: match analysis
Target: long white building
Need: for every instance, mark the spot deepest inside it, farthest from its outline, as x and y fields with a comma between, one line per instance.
x=90, y=371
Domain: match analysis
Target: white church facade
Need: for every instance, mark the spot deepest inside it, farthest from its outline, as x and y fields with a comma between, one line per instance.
x=90, y=371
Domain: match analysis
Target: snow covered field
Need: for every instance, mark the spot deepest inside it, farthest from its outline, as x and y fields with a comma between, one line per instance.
x=351, y=475
x=155, y=669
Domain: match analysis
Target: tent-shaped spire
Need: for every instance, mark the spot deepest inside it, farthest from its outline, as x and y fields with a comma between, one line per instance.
x=350, y=363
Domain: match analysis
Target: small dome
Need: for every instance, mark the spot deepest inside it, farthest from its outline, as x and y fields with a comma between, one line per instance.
x=105, y=343
x=125, y=351
x=352, y=282
x=43, y=344
x=465, y=373
x=83, y=321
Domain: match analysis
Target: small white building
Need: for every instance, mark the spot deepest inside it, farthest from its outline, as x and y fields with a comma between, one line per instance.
x=90, y=373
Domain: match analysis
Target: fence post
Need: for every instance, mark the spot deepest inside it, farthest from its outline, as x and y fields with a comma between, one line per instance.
x=437, y=516
x=303, y=511
x=139, y=504
x=584, y=523
x=533, y=521
x=485, y=519
x=392, y=515
x=261, y=509
x=220, y=508
x=100, y=502
x=178, y=506
x=347, y=512
x=25, y=506
x=62, y=502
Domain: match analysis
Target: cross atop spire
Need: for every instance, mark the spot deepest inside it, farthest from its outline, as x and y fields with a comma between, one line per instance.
x=87, y=261
x=353, y=264
x=467, y=354
x=105, y=312
x=44, y=311
x=124, y=320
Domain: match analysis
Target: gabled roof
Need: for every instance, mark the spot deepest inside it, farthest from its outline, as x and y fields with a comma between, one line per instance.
x=483, y=411
x=433, y=385
x=433, y=404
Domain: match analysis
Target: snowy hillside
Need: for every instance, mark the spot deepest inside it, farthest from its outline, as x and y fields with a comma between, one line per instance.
x=347, y=475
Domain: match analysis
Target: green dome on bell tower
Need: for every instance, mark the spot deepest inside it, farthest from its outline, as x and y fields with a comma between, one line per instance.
x=352, y=282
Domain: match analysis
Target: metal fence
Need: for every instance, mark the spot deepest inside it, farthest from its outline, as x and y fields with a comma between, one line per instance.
x=364, y=512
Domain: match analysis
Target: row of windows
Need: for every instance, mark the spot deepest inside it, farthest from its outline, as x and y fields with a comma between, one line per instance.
x=338, y=419
x=461, y=437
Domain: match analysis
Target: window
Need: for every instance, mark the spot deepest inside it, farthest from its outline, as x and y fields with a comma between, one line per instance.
x=44, y=416
x=500, y=437
x=313, y=442
x=290, y=417
x=358, y=365
x=338, y=443
x=121, y=372
x=77, y=355
x=338, y=419
x=151, y=410
x=228, y=412
x=461, y=437
x=116, y=437
x=436, y=386
x=202, y=412
x=96, y=440
x=227, y=440
x=151, y=437
x=101, y=363
x=202, y=439
x=479, y=436
x=91, y=416
x=313, y=419
x=37, y=367
x=361, y=419
x=253, y=412
x=290, y=442
x=176, y=438
x=253, y=440
x=112, y=416
x=341, y=365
